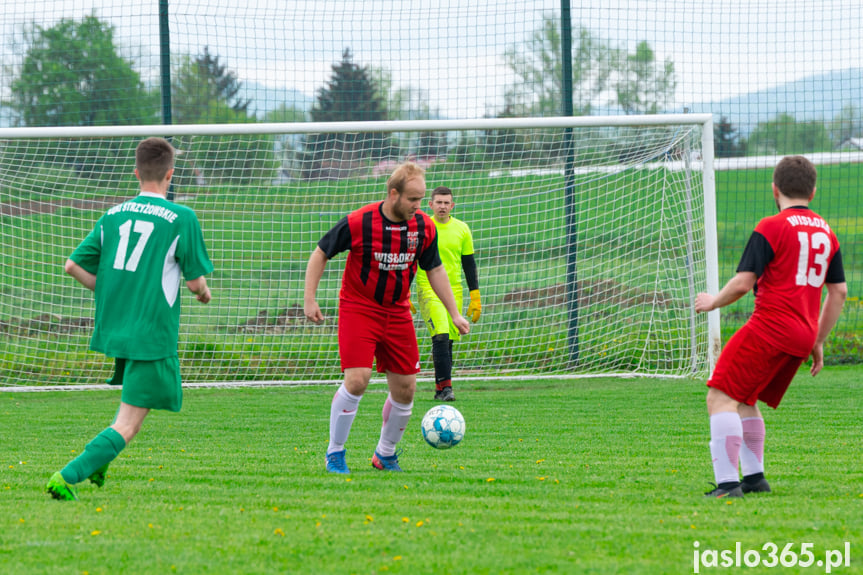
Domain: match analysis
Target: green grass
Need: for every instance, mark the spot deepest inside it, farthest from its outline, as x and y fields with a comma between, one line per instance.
x=557, y=476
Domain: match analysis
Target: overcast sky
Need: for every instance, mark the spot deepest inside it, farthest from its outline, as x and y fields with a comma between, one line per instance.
x=720, y=48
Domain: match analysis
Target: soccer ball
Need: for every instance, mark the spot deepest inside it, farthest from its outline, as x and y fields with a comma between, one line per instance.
x=443, y=427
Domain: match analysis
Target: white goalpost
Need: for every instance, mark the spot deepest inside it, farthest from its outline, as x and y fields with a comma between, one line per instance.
x=592, y=237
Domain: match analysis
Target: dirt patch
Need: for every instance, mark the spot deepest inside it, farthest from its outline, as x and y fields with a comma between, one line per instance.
x=275, y=322
x=39, y=207
x=46, y=323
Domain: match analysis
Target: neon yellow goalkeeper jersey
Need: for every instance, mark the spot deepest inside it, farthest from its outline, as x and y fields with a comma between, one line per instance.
x=454, y=240
x=138, y=250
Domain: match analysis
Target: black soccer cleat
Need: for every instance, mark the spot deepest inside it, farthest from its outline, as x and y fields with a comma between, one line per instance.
x=759, y=485
x=98, y=476
x=729, y=490
x=444, y=394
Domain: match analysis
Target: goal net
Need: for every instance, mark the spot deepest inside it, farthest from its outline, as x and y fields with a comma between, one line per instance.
x=592, y=236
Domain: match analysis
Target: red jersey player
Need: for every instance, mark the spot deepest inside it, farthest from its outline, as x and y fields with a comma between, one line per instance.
x=789, y=258
x=385, y=242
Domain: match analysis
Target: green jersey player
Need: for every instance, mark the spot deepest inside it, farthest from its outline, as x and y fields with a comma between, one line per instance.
x=455, y=245
x=133, y=260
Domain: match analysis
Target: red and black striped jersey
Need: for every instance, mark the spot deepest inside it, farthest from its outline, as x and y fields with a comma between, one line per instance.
x=793, y=254
x=382, y=255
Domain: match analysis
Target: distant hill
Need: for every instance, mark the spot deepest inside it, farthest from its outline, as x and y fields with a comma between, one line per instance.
x=817, y=97
x=265, y=99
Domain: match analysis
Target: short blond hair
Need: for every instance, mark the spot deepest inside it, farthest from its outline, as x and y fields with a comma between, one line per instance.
x=402, y=174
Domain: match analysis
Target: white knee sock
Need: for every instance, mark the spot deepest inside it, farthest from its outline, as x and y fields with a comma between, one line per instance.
x=342, y=413
x=396, y=417
x=726, y=437
x=752, y=452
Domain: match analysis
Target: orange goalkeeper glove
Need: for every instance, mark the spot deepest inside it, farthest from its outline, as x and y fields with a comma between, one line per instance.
x=475, y=308
x=413, y=309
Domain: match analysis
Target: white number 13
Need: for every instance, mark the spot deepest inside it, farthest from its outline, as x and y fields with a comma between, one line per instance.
x=142, y=227
x=820, y=244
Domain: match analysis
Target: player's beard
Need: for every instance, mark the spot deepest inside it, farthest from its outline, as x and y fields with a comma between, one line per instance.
x=401, y=213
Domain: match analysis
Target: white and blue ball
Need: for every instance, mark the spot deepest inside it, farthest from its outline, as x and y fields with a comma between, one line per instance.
x=443, y=427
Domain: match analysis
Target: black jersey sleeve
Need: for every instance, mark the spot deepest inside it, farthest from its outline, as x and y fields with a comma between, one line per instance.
x=337, y=240
x=430, y=257
x=835, y=273
x=468, y=264
x=756, y=255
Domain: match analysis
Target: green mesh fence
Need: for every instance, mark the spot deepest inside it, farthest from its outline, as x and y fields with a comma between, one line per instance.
x=780, y=78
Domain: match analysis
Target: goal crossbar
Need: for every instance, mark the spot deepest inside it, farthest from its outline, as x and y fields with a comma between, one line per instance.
x=356, y=127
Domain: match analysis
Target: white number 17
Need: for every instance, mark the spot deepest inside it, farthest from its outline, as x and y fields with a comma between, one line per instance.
x=142, y=227
x=820, y=244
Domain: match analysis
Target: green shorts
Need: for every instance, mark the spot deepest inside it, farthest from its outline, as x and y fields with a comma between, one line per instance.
x=436, y=317
x=150, y=384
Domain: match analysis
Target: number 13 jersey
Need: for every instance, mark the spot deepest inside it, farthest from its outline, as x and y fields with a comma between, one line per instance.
x=138, y=251
x=793, y=254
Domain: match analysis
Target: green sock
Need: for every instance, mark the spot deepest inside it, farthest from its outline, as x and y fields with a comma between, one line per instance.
x=104, y=448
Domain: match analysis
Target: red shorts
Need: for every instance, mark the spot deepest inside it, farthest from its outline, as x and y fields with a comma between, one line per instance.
x=750, y=369
x=366, y=334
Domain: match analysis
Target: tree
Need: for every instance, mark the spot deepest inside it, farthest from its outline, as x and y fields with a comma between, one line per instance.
x=784, y=135
x=538, y=66
x=410, y=103
x=431, y=144
x=642, y=86
x=239, y=160
x=847, y=124
x=203, y=90
x=402, y=102
x=727, y=142
x=351, y=95
x=199, y=83
x=72, y=75
x=505, y=146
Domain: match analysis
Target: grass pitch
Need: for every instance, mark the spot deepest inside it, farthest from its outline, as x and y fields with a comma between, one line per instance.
x=564, y=476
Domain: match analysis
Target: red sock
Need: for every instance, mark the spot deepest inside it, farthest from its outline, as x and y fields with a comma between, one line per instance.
x=439, y=385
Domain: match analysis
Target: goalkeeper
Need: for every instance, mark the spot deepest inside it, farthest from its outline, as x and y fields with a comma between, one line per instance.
x=455, y=245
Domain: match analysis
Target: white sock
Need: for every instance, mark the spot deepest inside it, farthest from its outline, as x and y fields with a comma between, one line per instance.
x=342, y=413
x=726, y=437
x=396, y=417
x=752, y=452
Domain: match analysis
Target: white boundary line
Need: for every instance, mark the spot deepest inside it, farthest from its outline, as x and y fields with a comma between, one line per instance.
x=318, y=382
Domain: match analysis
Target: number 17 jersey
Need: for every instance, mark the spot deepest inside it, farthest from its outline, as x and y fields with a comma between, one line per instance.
x=138, y=251
x=793, y=254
